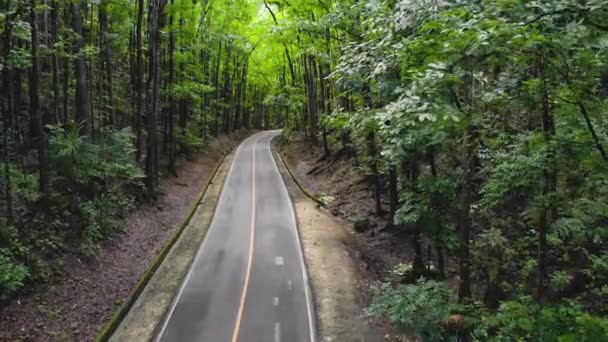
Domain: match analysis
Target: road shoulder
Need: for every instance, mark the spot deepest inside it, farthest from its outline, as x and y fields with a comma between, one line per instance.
x=150, y=308
x=331, y=268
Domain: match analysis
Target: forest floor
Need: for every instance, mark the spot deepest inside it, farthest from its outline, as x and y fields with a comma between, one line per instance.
x=89, y=291
x=336, y=180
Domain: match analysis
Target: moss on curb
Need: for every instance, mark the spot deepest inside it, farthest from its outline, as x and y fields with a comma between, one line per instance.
x=295, y=180
x=110, y=327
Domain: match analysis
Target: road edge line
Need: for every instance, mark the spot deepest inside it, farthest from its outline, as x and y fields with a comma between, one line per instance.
x=166, y=317
x=309, y=289
x=110, y=326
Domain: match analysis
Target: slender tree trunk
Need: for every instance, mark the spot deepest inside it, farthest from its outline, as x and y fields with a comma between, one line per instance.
x=372, y=151
x=106, y=64
x=314, y=119
x=66, y=76
x=463, y=221
x=436, y=206
x=393, y=191
x=82, y=100
x=550, y=183
x=39, y=135
x=154, y=84
x=418, y=263
x=138, y=84
x=55, y=60
x=226, y=94
x=9, y=112
x=217, y=89
x=596, y=139
x=171, y=113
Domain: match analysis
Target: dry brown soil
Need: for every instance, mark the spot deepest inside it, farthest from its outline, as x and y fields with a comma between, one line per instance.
x=379, y=248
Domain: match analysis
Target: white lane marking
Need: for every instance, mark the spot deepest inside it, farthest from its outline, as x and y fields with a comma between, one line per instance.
x=201, y=247
x=277, y=332
x=275, y=301
x=278, y=260
x=289, y=285
x=311, y=322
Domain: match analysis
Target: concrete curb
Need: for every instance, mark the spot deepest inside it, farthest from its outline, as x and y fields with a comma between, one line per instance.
x=110, y=327
x=295, y=180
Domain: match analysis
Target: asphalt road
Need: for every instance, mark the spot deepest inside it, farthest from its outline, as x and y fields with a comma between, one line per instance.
x=248, y=281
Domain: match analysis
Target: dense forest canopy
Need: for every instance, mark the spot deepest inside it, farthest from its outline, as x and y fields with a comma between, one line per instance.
x=482, y=124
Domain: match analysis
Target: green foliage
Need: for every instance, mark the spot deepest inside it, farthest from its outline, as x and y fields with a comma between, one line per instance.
x=97, y=174
x=188, y=141
x=13, y=273
x=491, y=252
x=105, y=164
x=23, y=184
x=425, y=310
x=102, y=218
x=525, y=320
x=514, y=175
x=421, y=309
x=498, y=105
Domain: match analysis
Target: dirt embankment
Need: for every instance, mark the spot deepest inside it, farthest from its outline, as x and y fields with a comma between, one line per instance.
x=75, y=308
x=376, y=249
x=331, y=268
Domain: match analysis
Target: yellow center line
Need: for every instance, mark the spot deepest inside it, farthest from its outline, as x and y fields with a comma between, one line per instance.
x=239, y=316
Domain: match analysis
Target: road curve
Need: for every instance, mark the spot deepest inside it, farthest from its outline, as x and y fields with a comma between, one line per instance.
x=248, y=281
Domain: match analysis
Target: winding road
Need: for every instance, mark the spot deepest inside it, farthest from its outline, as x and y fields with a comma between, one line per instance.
x=248, y=281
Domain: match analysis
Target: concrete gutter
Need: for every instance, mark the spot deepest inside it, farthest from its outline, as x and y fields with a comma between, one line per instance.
x=317, y=200
x=138, y=318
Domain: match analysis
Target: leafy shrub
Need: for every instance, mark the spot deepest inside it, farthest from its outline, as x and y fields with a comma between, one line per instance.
x=102, y=218
x=188, y=142
x=93, y=179
x=82, y=164
x=23, y=184
x=421, y=309
x=12, y=273
x=526, y=320
x=338, y=124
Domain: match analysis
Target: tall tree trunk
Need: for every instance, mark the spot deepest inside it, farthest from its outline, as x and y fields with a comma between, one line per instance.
x=65, y=62
x=55, y=60
x=325, y=106
x=465, y=195
x=82, y=100
x=217, y=89
x=435, y=205
x=106, y=64
x=39, y=135
x=154, y=84
x=314, y=119
x=372, y=151
x=9, y=112
x=550, y=182
x=418, y=263
x=139, y=77
x=463, y=221
x=226, y=93
x=171, y=111
x=393, y=191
